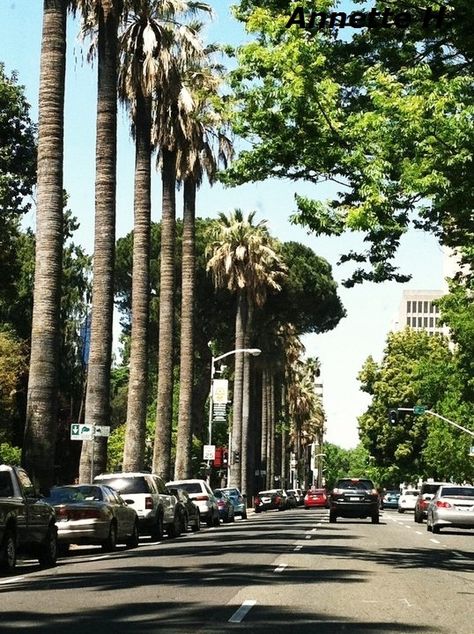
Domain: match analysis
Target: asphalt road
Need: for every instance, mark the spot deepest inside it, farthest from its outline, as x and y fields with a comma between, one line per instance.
x=276, y=572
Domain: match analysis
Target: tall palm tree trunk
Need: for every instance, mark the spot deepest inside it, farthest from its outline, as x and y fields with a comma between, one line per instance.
x=246, y=403
x=41, y=416
x=135, y=432
x=264, y=429
x=284, y=440
x=240, y=319
x=98, y=382
x=272, y=430
x=164, y=407
x=186, y=380
x=268, y=479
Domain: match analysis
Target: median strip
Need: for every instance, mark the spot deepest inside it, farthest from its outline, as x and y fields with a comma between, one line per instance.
x=242, y=612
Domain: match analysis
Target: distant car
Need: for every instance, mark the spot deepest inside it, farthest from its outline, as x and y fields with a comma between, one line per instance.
x=316, y=498
x=269, y=500
x=202, y=495
x=407, y=500
x=188, y=511
x=238, y=500
x=291, y=502
x=427, y=491
x=93, y=514
x=298, y=494
x=147, y=494
x=390, y=500
x=451, y=507
x=354, y=497
x=225, y=506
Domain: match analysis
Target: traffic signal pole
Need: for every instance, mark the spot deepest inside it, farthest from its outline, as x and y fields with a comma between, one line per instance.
x=428, y=411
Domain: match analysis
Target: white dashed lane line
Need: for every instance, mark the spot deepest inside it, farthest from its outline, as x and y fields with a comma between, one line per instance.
x=280, y=568
x=242, y=612
x=435, y=541
x=298, y=547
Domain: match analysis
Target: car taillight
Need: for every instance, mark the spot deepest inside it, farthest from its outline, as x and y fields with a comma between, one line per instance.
x=424, y=503
x=201, y=498
x=148, y=502
x=61, y=513
x=443, y=505
x=257, y=500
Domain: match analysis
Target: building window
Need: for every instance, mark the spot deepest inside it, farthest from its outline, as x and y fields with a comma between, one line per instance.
x=420, y=322
x=425, y=322
x=408, y=307
x=431, y=307
x=413, y=322
x=420, y=307
x=425, y=307
x=431, y=322
x=408, y=321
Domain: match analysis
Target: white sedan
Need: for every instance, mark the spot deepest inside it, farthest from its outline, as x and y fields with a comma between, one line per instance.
x=407, y=500
x=452, y=506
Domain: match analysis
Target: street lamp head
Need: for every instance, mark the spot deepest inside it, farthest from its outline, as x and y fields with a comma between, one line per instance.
x=254, y=351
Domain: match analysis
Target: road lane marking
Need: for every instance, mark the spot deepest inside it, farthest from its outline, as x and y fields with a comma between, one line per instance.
x=280, y=568
x=308, y=537
x=242, y=612
x=407, y=602
x=419, y=533
x=406, y=525
x=435, y=541
x=298, y=547
x=313, y=530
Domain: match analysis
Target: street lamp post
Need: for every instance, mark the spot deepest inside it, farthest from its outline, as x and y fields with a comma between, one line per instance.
x=254, y=352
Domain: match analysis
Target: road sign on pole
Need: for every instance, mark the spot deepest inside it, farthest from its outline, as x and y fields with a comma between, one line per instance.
x=81, y=432
x=209, y=452
x=419, y=409
x=102, y=430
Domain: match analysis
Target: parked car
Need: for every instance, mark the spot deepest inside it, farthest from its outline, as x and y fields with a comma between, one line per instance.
x=390, y=500
x=407, y=500
x=316, y=498
x=225, y=506
x=238, y=500
x=93, y=514
x=147, y=494
x=451, y=507
x=298, y=494
x=291, y=502
x=27, y=521
x=354, y=497
x=188, y=510
x=268, y=500
x=427, y=491
x=201, y=494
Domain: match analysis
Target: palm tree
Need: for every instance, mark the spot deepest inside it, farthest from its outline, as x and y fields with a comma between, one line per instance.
x=171, y=116
x=243, y=259
x=41, y=417
x=103, y=15
x=207, y=147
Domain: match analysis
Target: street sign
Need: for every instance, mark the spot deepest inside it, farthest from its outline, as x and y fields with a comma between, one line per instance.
x=81, y=432
x=419, y=409
x=220, y=391
x=102, y=430
x=209, y=452
x=219, y=411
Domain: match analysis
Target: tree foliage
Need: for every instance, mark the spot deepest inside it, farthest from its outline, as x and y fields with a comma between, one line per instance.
x=387, y=115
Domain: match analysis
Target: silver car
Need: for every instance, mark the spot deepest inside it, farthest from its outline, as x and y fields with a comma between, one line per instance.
x=452, y=506
x=93, y=514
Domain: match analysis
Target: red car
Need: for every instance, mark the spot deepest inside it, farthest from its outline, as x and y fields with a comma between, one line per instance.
x=316, y=498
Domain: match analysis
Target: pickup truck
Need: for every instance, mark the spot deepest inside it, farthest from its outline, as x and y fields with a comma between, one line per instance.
x=27, y=522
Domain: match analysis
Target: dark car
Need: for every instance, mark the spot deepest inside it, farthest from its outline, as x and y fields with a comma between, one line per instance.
x=354, y=497
x=225, y=506
x=427, y=493
x=188, y=511
x=291, y=501
x=238, y=500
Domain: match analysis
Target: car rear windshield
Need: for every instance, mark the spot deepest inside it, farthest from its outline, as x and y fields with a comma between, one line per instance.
x=71, y=495
x=429, y=488
x=411, y=492
x=128, y=485
x=191, y=487
x=232, y=492
x=456, y=491
x=267, y=493
x=348, y=483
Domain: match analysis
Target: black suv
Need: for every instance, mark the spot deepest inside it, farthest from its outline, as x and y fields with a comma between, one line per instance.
x=354, y=497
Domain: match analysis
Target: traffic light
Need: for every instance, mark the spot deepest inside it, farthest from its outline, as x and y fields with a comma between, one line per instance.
x=218, y=457
x=225, y=457
x=393, y=416
x=236, y=456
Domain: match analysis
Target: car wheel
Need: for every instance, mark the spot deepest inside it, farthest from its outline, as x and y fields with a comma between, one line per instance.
x=244, y=515
x=157, y=530
x=375, y=518
x=111, y=541
x=429, y=528
x=435, y=529
x=174, y=529
x=132, y=541
x=332, y=518
x=197, y=524
x=257, y=510
x=418, y=518
x=48, y=550
x=63, y=549
x=8, y=561
x=210, y=520
x=401, y=510
x=184, y=523
x=217, y=521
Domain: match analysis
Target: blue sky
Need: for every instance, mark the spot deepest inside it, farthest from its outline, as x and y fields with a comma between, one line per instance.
x=371, y=308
